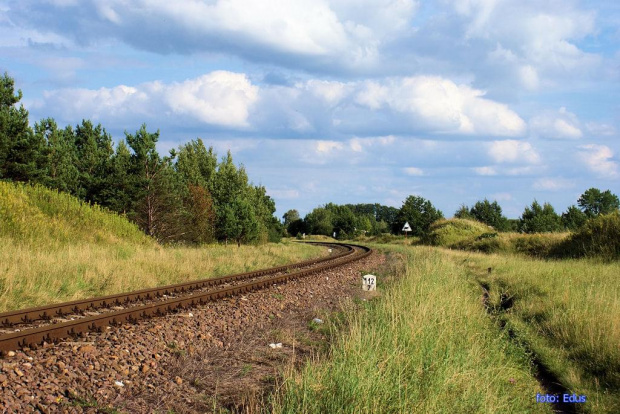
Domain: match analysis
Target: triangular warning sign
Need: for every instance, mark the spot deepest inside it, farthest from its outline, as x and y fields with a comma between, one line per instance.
x=407, y=227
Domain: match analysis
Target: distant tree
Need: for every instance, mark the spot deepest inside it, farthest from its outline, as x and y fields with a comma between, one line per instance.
x=290, y=216
x=61, y=172
x=124, y=182
x=15, y=134
x=419, y=213
x=380, y=227
x=573, y=218
x=490, y=214
x=22, y=153
x=291, y=222
x=196, y=164
x=364, y=223
x=157, y=197
x=264, y=207
x=513, y=225
x=343, y=221
x=239, y=222
x=201, y=215
x=539, y=219
x=386, y=214
x=463, y=213
x=594, y=202
x=296, y=227
x=94, y=151
x=319, y=221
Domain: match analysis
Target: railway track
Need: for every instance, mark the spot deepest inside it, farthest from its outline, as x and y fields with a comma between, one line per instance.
x=47, y=324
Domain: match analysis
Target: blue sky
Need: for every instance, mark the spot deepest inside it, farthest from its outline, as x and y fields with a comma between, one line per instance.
x=347, y=101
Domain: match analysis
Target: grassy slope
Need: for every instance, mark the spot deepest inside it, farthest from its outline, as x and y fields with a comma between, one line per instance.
x=54, y=248
x=426, y=346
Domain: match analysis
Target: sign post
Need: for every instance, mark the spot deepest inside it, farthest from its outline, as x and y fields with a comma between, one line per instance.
x=369, y=282
x=406, y=228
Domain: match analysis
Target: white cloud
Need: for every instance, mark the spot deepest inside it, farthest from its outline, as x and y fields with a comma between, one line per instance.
x=414, y=171
x=330, y=92
x=529, y=77
x=359, y=144
x=487, y=170
x=538, y=37
x=326, y=147
x=601, y=129
x=218, y=98
x=552, y=184
x=501, y=196
x=599, y=159
x=513, y=151
x=560, y=124
x=493, y=170
x=348, y=33
x=442, y=105
x=287, y=194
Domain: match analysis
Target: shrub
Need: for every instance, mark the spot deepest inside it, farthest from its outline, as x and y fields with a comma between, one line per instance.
x=449, y=233
x=537, y=245
x=598, y=237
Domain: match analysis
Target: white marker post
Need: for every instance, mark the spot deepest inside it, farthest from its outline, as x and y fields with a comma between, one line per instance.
x=406, y=228
x=369, y=282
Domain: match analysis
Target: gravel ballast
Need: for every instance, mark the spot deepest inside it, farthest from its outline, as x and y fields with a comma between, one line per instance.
x=198, y=360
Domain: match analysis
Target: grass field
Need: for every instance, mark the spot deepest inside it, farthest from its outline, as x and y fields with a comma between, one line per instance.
x=54, y=248
x=568, y=312
x=428, y=344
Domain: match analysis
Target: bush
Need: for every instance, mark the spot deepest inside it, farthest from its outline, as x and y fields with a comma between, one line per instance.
x=598, y=237
x=537, y=245
x=484, y=245
x=450, y=233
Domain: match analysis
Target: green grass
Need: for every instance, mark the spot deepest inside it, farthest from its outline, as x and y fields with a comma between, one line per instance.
x=37, y=216
x=427, y=345
x=53, y=248
x=569, y=314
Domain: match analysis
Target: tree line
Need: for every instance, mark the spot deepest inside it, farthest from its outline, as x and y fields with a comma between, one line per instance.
x=351, y=220
x=186, y=196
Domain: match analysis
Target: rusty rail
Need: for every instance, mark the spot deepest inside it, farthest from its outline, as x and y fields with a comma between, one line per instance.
x=53, y=332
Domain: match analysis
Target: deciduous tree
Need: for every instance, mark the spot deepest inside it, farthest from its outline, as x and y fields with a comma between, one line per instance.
x=419, y=213
x=539, y=219
x=594, y=202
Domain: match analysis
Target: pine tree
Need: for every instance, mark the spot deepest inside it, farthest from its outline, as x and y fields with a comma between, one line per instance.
x=94, y=152
x=22, y=153
x=61, y=173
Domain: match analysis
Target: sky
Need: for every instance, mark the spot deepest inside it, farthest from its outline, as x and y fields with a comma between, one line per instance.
x=345, y=101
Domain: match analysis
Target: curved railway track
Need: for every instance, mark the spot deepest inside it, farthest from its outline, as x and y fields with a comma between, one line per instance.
x=34, y=326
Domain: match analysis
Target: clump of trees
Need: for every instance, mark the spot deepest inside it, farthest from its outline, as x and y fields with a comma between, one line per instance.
x=186, y=196
x=537, y=218
x=485, y=212
x=345, y=221
x=543, y=219
x=350, y=220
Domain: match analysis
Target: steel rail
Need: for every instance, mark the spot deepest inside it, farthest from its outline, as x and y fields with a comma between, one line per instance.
x=54, y=332
x=28, y=315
